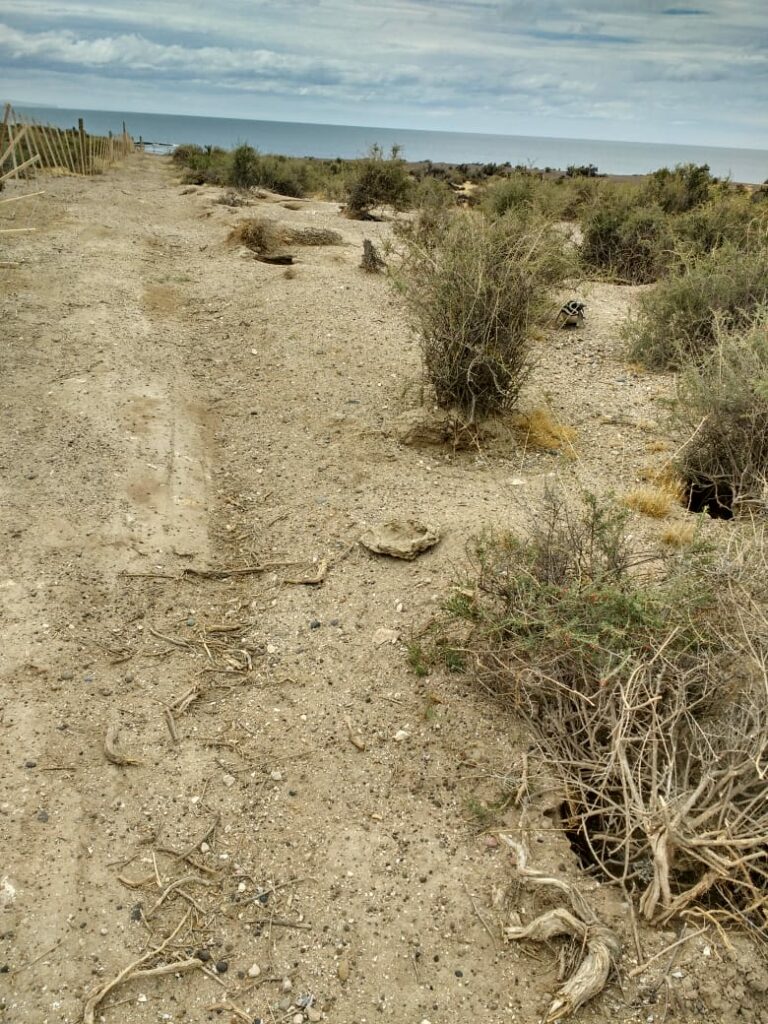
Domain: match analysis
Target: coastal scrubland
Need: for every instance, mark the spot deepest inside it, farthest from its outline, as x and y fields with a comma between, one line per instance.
x=255, y=771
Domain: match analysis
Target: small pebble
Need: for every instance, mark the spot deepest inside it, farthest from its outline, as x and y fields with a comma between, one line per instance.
x=254, y=971
x=241, y=887
x=203, y=954
x=276, y=776
x=42, y=816
x=136, y=912
x=401, y=735
x=30, y=764
x=313, y=1015
x=287, y=985
x=66, y=676
x=298, y=1018
x=205, y=848
x=315, y=624
x=228, y=780
x=222, y=967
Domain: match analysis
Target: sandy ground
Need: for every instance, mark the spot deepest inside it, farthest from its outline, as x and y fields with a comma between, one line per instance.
x=169, y=404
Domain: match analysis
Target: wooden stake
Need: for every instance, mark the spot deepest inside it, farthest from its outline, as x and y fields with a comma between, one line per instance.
x=81, y=133
x=21, y=167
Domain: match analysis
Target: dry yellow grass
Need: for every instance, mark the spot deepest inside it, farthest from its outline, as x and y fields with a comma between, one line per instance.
x=658, y=444
x=678, y=535
x=539, y=429
x=654, y=501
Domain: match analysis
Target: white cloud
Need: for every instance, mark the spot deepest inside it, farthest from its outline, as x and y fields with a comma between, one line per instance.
x=506, y=65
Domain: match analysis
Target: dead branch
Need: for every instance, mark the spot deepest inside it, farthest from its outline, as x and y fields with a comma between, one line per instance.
x=111, y=751
x=602, y=944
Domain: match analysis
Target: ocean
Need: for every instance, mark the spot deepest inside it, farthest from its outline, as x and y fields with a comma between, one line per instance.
x=332, y=140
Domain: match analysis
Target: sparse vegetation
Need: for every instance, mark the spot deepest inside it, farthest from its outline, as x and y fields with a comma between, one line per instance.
x=473, y=291
x=678, y=320
x=630, y=242
x=625, y=678
x=378, y=181
x=722, y=412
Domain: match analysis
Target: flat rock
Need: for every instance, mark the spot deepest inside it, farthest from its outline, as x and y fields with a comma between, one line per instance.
x=400, y=538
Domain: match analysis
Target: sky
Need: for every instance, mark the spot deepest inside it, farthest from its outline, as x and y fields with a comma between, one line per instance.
x=639, y=70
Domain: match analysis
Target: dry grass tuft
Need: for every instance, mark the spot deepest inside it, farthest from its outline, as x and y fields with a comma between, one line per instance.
x=657, y=445
x=656, y=502
x=539, y=429
x=266, y=236
x=678, y=535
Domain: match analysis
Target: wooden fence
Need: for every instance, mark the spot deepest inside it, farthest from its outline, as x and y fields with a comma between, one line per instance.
x=28, y=148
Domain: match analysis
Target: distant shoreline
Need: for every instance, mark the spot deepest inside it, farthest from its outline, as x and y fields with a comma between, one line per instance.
x=327, y=141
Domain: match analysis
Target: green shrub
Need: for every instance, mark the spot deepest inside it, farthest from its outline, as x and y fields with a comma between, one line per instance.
x=565, y=603
x=473, y=289
x=519, y=192
x=682, y=189
x=724, y=219
x=377, y=181
x=630, y=242
x=721, y=409
x=678, y=319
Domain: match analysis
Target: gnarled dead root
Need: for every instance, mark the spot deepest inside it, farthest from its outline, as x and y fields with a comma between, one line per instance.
x=603, y=945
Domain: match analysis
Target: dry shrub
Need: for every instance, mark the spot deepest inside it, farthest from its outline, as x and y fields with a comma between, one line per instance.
x=539, y=429
x=679, y=319
x=265, y=236
x=473, y=291
x=262, y=236
x=645, y=684
x=312, y=236
x=722, y=409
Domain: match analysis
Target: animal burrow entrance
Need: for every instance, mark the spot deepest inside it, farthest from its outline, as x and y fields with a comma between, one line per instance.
x=716, y=499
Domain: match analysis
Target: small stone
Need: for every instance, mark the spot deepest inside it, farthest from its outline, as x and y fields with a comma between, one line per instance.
x=287, y=985
x=136, y=913
x=254, y=971
x=203, y=954
x=298, y=1018
x=30, y=764
x=399, y=607
x=42, y=815
x=141, y=998
x=276, y=776
x=103, y=931
x=343, y=970
x=228, y=780
x=222, y=967
x=205, y=848
x=315, y=624
x=241, y=887
x=313, y=1015
x=385, y=636
x=66, y=676
x=401, y=735
x=271, y=649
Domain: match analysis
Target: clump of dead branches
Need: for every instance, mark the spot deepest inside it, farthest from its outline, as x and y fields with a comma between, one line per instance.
x=645, y=682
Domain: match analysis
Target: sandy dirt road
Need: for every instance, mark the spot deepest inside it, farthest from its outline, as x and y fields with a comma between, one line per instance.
x=314, y=815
